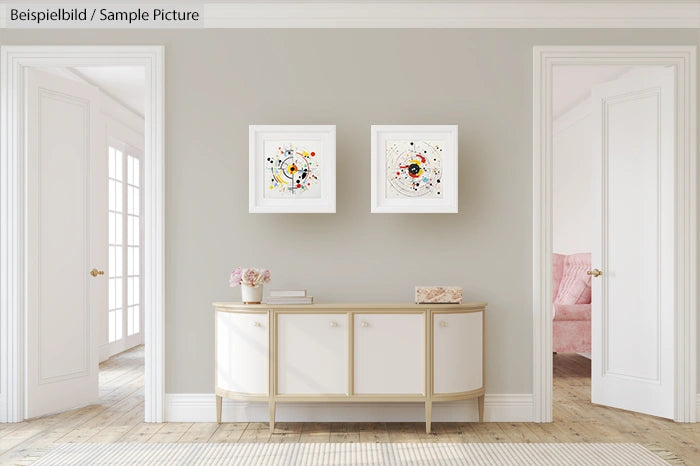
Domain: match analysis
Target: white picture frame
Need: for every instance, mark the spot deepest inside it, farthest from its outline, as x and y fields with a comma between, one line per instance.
x=414, y=169
x=291, y=169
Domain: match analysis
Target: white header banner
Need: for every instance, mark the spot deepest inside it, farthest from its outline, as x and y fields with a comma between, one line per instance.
x=101, y=16
x=412, y=14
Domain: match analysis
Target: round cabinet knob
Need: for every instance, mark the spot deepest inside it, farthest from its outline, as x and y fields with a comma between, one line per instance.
x=443, y=323
x=365, y=324
x=256, y=324
x=334, y=324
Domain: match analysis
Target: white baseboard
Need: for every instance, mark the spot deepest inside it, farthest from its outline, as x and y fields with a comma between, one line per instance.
x=697, y=408
x=201, y=407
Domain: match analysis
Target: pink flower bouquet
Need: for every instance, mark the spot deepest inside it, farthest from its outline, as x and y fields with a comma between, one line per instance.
x=249, y=277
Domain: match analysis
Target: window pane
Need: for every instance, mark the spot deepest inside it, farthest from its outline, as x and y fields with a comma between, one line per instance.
x=118, y=173
x=132, y=230
x=118, y=196
x=111, y=260
x=118, y=229
x=130, y=291
x=118, y=293
x=129, y=261
x=137, y=201
x=119, y=321
x=137, y=231
x=112, y=294
x=137, y=319
x=137, y=284
x=111, y=228
x=130, y=321
x=111, y=162
x=135, y=260
x=130, y=200
x=137, y=173
x=130, y=169
x=118, y=259
x=110, y=193
x=111, y=326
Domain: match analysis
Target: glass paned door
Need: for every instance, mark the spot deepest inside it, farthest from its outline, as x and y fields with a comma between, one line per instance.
x=116, y=245
x=133, y=217
x=125, y=223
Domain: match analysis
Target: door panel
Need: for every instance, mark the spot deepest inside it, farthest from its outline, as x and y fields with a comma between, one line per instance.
x=389, y=354
x=62, y=227
x=242, y=351
x=312, y=354
x=633, y=306
x=458, y=350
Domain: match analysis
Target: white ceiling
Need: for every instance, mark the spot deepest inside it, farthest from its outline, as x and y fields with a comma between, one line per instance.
x=573, y=83
x=124, y=83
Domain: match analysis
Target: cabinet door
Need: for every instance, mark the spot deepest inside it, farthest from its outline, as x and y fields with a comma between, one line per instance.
x=389, y=354
x=242, y=352
x=457, y=352
x=312, y=354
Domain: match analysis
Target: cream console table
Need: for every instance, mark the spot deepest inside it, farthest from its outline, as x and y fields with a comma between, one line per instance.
x=349, y=352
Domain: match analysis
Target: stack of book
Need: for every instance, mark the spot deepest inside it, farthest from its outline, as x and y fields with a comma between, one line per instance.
x=289, y=297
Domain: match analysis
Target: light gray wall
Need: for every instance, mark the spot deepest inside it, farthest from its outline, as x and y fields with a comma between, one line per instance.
x=220, y=81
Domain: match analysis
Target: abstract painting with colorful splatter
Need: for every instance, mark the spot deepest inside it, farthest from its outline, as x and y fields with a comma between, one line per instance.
x=413, y=169
x=292, y=170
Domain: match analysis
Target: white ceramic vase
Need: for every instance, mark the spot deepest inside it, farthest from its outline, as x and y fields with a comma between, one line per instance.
x=251, y=294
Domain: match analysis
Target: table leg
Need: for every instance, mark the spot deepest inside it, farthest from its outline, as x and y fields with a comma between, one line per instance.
x=481, y=408
x=218, y=409
x=272, y=415
x=428, y=415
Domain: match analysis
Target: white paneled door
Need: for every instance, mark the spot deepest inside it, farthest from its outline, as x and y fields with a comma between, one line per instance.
x=67, y=227
x=633, y=242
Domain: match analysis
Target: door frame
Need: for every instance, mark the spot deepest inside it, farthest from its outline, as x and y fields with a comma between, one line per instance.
x=14, y=61
x=683, y=58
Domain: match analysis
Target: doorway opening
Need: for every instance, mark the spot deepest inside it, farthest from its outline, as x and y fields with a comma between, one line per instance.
x=83, y=151
x=575, y=89
x=669, y=198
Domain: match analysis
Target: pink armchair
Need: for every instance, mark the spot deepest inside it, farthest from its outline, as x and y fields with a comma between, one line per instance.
x=571, y=295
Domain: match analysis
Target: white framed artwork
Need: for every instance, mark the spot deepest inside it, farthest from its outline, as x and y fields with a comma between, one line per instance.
x=414, y=168
x=292, y=169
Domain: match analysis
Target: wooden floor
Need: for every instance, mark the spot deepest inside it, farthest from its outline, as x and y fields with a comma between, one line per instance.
x=119, y=418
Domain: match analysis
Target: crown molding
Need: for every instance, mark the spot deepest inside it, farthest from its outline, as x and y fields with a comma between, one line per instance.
x=469, y=14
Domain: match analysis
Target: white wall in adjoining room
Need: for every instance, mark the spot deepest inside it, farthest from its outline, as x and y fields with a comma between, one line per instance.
x=571, y=188
x=572, y=149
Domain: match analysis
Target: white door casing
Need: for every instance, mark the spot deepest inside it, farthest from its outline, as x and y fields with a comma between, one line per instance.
x=633, y=238
x=683, y=61
x=14, y=62
x=389, y=354
x=66, y=188
x=311, y=354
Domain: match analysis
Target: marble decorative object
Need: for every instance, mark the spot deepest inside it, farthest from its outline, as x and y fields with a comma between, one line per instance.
x=439, y=294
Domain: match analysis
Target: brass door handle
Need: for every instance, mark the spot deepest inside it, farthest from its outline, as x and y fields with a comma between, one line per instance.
x=95, y=272
x=595, y=273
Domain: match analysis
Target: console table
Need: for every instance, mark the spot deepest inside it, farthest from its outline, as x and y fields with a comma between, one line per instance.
x=352, y=352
